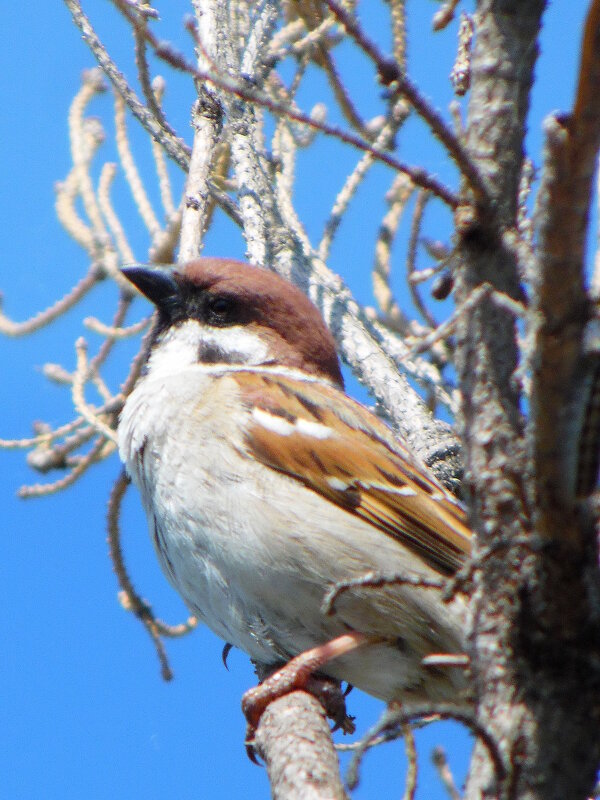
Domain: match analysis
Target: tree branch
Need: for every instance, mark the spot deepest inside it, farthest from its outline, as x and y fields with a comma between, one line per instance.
x=534, y=666
x=294, y=740
x=175, y=147
x=391, y=73
x=487, y=357
x=561, y=308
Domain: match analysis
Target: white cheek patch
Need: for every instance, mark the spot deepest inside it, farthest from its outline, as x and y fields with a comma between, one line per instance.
x=237, y=344
x=177, y=349
x=181, y=347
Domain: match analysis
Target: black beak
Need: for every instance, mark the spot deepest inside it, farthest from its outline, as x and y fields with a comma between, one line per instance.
x=157, y=283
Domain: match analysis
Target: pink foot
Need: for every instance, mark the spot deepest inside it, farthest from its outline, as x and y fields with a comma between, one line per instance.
x=297, y=674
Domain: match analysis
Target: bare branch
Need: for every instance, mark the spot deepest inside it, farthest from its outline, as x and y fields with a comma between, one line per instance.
x=141, y=61
x=130, y=600
x=136, y=185
x=390, y=73
x=560, y=308
x=411, y=258
x=374, y=580
x=398, y=18
x=197, y=196
x=294, y=739
x=418, y=175
x=441, y=764
x=392, y=724
x=42, y=318
x=461, y=71
x=483, y=292
x=107, y=176
x=101, y=449
x=411, y=756
x=174, y=147
x=383, y=140
x=113, y=332
x=397, y=197
x=80, y=378
x=158, y=88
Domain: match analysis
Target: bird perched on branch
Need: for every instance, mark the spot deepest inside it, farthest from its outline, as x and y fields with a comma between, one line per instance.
x=285, y=513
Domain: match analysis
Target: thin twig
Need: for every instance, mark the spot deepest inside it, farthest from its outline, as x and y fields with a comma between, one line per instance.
x=445, y=15
x=397, y=197
x=386, y=135
x=484, y=291
x=140, y=359
x=411, y=258
x=45, y=458
x=42, y=438
x=48, y=436
x=142, y=8
x=42, y=318
x=100, y=450
x=136, y=185
x=461, y=71
x=398, y=19
x=107, y=176
x=440, y=762
x=390, y=73
x=174, y=147
x=113, y=332
x=523, y=246
x=164, y=182
x=162, y=249
x=293, y=39
x=80, y=377
x=284, y=153
x=343, y=98
x=137, y=605
x=86, y=136
x=418, y=175
x=410, y=747
x=144, y=75
x=376, y=580
x=125, y=300
x=130, y=600
x=395, y=717
x=67, y=192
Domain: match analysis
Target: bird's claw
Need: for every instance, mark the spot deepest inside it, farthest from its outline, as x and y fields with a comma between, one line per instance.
x=297, y=674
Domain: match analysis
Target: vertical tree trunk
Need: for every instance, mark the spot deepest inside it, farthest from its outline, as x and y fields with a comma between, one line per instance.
x=533, y=629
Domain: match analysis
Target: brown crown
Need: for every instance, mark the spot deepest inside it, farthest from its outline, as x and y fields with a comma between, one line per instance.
x=297, y=335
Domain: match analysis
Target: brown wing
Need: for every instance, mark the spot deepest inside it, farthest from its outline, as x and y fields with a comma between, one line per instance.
x=335, y=446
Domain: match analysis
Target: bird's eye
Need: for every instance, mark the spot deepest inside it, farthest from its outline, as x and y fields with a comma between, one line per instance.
x=220, y=310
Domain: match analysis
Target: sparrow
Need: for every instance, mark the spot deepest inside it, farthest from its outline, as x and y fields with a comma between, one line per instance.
x=267, y=488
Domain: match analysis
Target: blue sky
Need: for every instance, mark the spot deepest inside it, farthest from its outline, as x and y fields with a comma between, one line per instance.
x=84, y=710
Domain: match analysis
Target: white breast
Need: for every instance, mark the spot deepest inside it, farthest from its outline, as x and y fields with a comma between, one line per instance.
x=184, y=467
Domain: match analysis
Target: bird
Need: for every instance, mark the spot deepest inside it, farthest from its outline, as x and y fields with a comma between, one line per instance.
x=286, y=514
